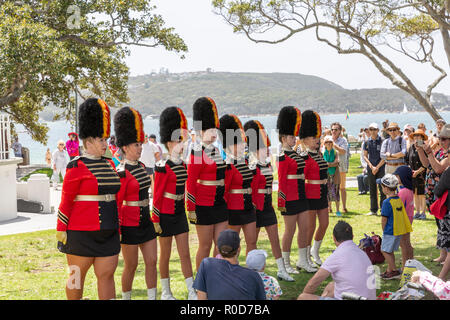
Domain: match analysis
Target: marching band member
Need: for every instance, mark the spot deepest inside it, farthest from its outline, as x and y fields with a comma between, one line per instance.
x=258, y=147
x=238, y=179
x=292, y=201
x=315, y=181
x=206, y=180
x=168, y=214
x=88, y=220
x=136, y=226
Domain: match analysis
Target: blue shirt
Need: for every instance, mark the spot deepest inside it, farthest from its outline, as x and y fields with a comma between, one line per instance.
x=373, y=148
x=393, y=146
x=222, y=280
x=386, y=211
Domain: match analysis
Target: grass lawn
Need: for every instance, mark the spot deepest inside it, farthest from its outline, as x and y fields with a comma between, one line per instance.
x=32, y=268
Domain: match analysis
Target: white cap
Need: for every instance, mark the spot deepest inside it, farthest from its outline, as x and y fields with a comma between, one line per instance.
x=373, y=125
x=256, y=259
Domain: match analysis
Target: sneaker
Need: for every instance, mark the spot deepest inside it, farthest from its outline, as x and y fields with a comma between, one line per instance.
x=371, y=213
x=423, y=216
x=391, y=275
x=338, y=214
x=417, y=215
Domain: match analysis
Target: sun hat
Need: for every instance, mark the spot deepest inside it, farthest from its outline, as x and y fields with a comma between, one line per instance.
x=328, y=139
x=445, y=132
x=389, y=180
x=393, y=125
x=418, y=132
x=256, y=259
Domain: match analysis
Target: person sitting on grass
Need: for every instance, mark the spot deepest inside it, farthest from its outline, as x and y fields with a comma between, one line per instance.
x=394, y=222
x=349, y=266
x=225, y=279
x=256, y=261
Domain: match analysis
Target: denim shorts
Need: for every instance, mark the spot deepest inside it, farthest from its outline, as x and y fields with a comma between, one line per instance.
x=390, y=243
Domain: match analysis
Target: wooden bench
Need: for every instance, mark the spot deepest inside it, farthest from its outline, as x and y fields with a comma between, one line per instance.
x=356, y=145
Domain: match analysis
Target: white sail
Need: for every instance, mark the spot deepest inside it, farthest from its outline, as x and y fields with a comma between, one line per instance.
x=405, y=110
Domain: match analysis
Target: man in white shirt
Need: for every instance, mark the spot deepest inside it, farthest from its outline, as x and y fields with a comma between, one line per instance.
x=149, y=156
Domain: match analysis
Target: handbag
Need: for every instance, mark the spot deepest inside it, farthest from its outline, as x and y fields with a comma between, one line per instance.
x=371, y=245
x=439, y=207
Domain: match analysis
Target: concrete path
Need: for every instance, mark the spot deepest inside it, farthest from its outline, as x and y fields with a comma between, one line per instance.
x=29, y=222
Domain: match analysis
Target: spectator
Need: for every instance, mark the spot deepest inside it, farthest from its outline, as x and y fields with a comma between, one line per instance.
x=72, y=145
x=115, y=151
x=375, y=167
x=407, y=130
x=341, y=146
x=440, y=123
x=444, y=224
x=256, y=261
x=17, y=147
x=349, y=266
x=393, y=150
x=419, y=170
x=149, y=156
x=331, y=157
x=159, y=153
x=363, y=182
x=48, y=158
x=189, y=145
x=384, y=132
x=225, y=279
x=437, y=286
x=404, y=177
x=59, y=162
x=436, y=163
x=394, y=223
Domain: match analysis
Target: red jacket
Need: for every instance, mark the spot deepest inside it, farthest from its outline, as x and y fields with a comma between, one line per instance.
x=205, y=163
x=135, y=183
x=316, y=168
x=290, y=163
x=85, y=176
x=169, y=177
x=238, y=176
x=262, y=181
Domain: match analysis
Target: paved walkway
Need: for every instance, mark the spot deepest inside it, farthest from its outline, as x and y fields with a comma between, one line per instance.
x=29, y=222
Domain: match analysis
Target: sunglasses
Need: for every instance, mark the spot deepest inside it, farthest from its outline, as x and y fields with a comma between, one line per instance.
x=334, y=129
x=392, y=130
x=443, y=139
x=372, y=129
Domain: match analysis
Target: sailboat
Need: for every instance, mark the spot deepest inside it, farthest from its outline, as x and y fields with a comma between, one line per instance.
x=405, y=110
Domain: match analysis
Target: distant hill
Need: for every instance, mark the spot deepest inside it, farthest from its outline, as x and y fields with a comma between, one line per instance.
x=263, y=93
x=260, y=93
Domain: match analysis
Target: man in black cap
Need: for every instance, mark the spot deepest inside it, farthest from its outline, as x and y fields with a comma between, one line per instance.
x=224, y=278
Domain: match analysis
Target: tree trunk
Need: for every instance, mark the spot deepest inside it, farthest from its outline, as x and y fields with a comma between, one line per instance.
x=446, y=40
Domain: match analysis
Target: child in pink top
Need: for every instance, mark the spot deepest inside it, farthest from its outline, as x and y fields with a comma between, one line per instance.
x=404, y=177
x=439, y=287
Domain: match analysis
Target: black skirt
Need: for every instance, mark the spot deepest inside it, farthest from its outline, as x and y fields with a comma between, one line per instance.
x=173, y=224
x=102, y=243
x=318, y=204
x=138, y=235
x=418, y=184
x=266, y=218
x=211, y=215
x=295, y=206
x=241, y=217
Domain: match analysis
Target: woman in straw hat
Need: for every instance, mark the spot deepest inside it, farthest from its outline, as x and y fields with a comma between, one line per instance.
x=418, y=177
x=88, y=220
x=136, y=227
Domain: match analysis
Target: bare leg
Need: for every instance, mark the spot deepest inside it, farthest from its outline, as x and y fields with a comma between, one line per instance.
x=165, y=244
x=104, y=268
x=205, y=239
x=272, y=233
x=79, y=267
x=249, y=230
x=182, y=241
x=290, y=223
x=149, y=251
x=130, y=257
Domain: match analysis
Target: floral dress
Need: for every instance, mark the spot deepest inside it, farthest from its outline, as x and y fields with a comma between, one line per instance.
x=432, y=178
x=271, y=286
x=333, y=188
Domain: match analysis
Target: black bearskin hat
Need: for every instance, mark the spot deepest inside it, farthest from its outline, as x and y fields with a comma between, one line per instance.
x=289, y=121
x=257, y=137
x=311, y=125
x=172, y=119
x=94, y=119
x=205, y=110
x=231, y=125
x=128, y=127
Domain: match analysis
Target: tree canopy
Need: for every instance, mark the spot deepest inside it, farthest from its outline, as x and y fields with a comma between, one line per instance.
x=50, y=49
x=376, y=29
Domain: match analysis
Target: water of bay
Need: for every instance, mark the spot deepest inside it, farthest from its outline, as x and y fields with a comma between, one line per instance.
x=58, y=130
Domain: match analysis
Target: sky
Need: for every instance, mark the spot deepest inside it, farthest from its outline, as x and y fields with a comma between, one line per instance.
x=212, y=44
